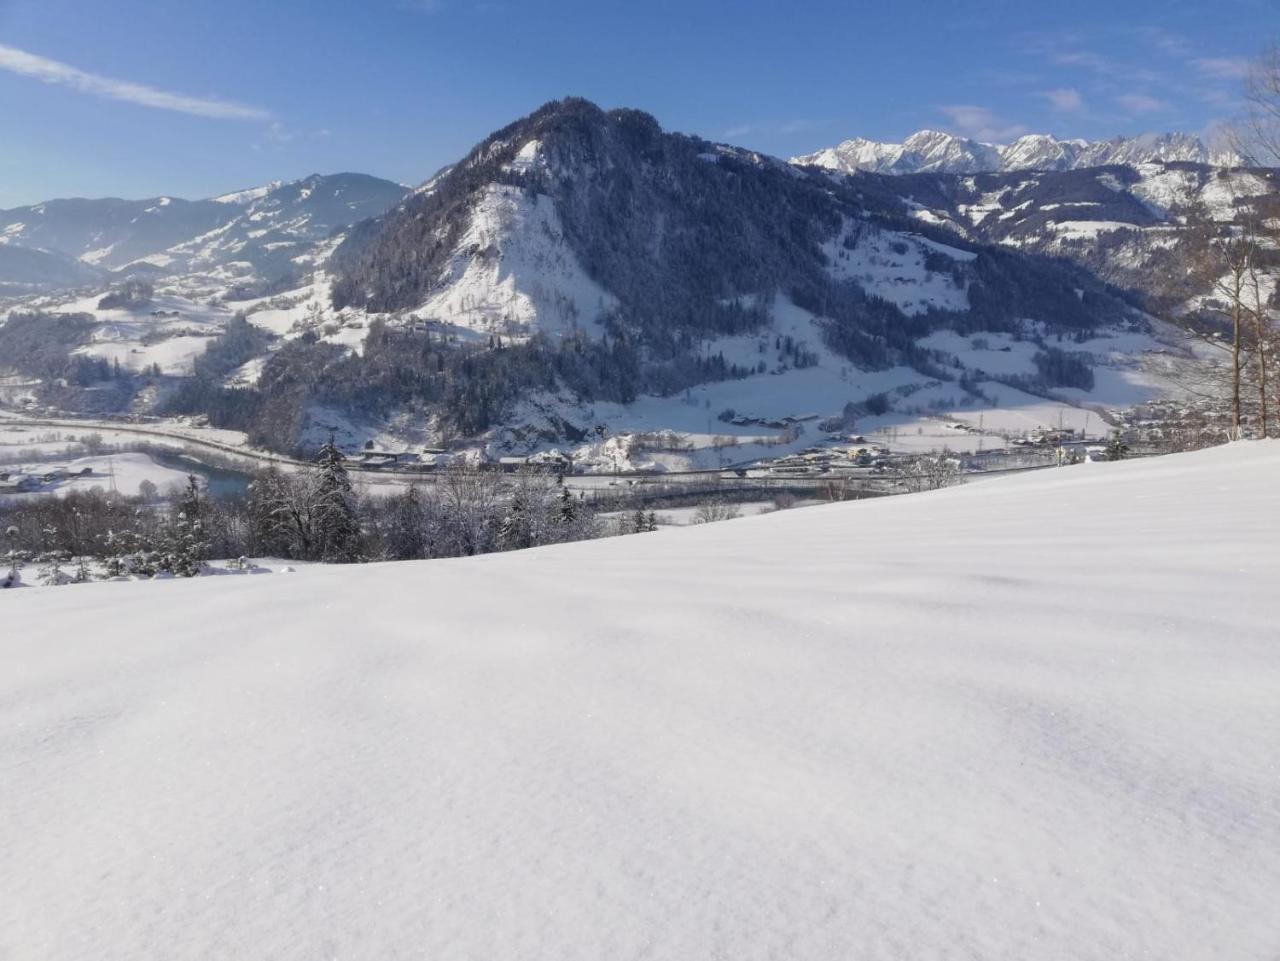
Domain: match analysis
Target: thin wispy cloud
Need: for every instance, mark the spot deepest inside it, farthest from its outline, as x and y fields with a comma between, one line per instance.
x=1006, y=77
x=61, y=74
x=799, y=125
x=1065, y=99
x=1105, y=68
x=1083, y=58
x=1174, y=44
x=981, y=123
x=1177, y=74
x=278, y=134
x=1142, y=103
x=781, y=128
x=1223, y=68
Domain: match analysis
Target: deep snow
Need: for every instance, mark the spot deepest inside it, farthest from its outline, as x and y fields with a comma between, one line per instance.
x=1036, y=718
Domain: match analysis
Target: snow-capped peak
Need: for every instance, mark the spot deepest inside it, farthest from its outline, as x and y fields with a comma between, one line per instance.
x=932, y=151
x=243, y=197
x=935, y=150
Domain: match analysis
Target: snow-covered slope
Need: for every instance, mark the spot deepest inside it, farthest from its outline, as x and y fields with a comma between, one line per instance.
x=513, y=273
x=1127, y=224
x=892, y=265
x=109, y=232
x=1025, y=719
x=27, y=269
x=272, y=226
x=930, y=151
x=248, y=195
x=260, y=226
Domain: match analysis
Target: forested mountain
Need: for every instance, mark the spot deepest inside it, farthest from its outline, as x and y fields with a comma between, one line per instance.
x=686, y=239
x=581, y=257
x=588, y=250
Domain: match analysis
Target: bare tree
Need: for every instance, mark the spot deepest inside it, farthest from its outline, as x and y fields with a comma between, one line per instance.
x=470, y=506
x=1262, y=341
x=1226, y=255
x=1256, y=139
x=714, y=510
x=928, y=472
x=1237, y=253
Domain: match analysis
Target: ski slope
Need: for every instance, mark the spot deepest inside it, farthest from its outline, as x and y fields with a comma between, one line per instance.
x=1035, y=718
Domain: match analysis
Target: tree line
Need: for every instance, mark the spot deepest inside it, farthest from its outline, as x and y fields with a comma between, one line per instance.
x=309, y=515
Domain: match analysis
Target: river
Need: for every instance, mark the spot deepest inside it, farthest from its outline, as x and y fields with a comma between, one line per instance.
x=220, y=481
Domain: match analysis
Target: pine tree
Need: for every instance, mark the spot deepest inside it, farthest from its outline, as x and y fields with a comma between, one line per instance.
x=1117, y=449
x=514, y=532
x=568, y=509
x=276, y=528
x=51, y=560
x=131, y=552
x=186, y=543
x=13, y=573
x=336, y=525
x=405, y=536
x=525, y=519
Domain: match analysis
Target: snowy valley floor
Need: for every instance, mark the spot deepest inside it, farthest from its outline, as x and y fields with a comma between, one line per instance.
x=1035, y=718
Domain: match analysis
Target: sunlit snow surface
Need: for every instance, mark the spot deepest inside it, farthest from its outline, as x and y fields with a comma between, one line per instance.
x=514, y=273
x=1035, y=718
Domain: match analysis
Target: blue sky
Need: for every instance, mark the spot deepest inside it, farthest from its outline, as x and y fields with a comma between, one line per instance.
x=196, y=97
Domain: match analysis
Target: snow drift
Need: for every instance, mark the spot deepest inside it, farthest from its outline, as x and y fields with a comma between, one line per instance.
x=1033, y=718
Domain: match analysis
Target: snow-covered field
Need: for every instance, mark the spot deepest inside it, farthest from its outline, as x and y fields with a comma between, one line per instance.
x=1034, y=718
x=123, y=472
x=138, y=338
x=687, y=516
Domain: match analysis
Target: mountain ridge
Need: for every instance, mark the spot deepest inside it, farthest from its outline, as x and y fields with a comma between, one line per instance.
x=932, y=151
x=260, y=224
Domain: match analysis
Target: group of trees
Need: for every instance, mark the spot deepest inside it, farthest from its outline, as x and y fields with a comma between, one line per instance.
x=134, y=293
x=202, y=392
x=1238, y=261
x=130, y=536
x=468, y=512
x=1239, y=253
x=1064, y=368
x=45, y=345
x=467, y=386
x=48, y=346
x=927, y=472
x=312, y=514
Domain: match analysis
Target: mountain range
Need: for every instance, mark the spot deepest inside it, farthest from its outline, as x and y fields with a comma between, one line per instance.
x=256, y=231
x=583, y=272
x=931, y=151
